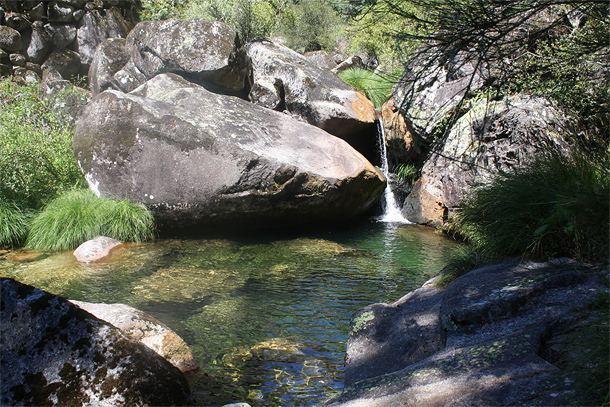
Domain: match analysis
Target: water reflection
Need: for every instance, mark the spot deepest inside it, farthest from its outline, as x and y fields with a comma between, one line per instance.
x=265, y=316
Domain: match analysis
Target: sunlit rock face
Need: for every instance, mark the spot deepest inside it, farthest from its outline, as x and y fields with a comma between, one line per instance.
x=492, y=137
x=287, y=81
x=58, y=354
x=198, y=158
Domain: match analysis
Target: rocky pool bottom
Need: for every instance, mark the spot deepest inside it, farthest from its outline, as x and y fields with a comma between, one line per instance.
x=265, y=316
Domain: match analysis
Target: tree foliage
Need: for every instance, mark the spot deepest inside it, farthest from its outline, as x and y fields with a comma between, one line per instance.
x=559, y=49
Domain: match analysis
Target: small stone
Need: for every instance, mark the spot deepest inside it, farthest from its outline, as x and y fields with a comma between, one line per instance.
x=60, y=13
x=17, y=21
x=78, y=14
x=96, y=249
x=17, y=59
x=38, y=13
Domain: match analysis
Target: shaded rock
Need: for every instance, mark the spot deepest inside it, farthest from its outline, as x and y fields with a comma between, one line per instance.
x=110, y=56
x=287, y=81
x=129, y=77
x=492, y=331
x=17, y=59
x=141, y=327
x=64, y=61
x=62, y=35
x=54, y=353
x=37, y=12
x=95, y=27
x=353, y=62
x=493, y=137
x=10, y=39
x=197, y=158
x=60, y=12
x=206, y=52
x=95, y=249
x=17, y=21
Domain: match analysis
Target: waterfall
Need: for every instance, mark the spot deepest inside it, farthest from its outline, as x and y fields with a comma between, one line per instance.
x=391, y=210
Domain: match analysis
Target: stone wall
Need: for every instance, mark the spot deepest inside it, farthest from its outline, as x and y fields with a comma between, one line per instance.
x=58, y=37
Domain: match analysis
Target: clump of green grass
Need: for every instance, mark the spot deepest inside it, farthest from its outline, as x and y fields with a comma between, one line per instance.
x=79, y=215
x=13, y=224
x=378, y=88
x=556, y=207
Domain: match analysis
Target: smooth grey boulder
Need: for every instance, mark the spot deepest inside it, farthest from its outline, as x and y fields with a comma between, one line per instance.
x=141, y=327
x=110, y=57
x=95, y=27
x=206, y=52
x=492, y=137
x=494, y=337
x=54, y=353
x=196, y=159
x=286, y=81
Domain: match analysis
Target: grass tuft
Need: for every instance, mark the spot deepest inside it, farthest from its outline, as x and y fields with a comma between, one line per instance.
x=556, y=207
x=376, y=87
x=13, y=224
x=79, y=215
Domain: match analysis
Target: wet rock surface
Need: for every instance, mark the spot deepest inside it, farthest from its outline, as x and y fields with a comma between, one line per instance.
x=54, y=353
x=493, y=337
x=198, y=158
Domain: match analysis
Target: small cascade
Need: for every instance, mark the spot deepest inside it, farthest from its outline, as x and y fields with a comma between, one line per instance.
x=391, y=210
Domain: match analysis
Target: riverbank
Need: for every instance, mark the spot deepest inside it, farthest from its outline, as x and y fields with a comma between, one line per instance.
x=514, y=332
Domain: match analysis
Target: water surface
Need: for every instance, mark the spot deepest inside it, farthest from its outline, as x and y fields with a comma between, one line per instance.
x=265, y=316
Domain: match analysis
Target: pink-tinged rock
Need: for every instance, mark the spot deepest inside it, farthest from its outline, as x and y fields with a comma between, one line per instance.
x=96, y=249
x=141, y=327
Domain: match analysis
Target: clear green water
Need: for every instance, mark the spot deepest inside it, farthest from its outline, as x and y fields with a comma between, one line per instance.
x=266, y=317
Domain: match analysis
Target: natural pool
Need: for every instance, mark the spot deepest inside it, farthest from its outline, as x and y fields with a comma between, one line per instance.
x=265, y=316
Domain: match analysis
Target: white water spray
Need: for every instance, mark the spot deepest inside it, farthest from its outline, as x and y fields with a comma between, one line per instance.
x=391, y=210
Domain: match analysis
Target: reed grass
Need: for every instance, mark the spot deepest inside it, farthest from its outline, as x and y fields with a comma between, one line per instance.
x=79, y=215
x=378, y=88
x=556, y=207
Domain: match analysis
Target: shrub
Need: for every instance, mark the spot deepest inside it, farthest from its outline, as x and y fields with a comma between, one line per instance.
x=36, y=158
x=556, y=207
x=376, y=87
x=13, y=224
x=79, y=215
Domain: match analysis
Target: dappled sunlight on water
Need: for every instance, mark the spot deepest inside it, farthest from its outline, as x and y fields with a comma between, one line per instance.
x=266, y=317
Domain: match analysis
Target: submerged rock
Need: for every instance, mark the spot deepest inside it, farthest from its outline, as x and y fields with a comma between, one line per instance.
x=95, y=249
x=196, y=158
x=492, y=338
x=54, y=353
x=141, y=327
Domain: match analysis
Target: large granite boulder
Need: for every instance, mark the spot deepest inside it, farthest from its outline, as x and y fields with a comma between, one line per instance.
x=499, y=335
x=54, y=353
x=198, y=158
x=206, y=52
x=287, y=81
x=492, y=137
